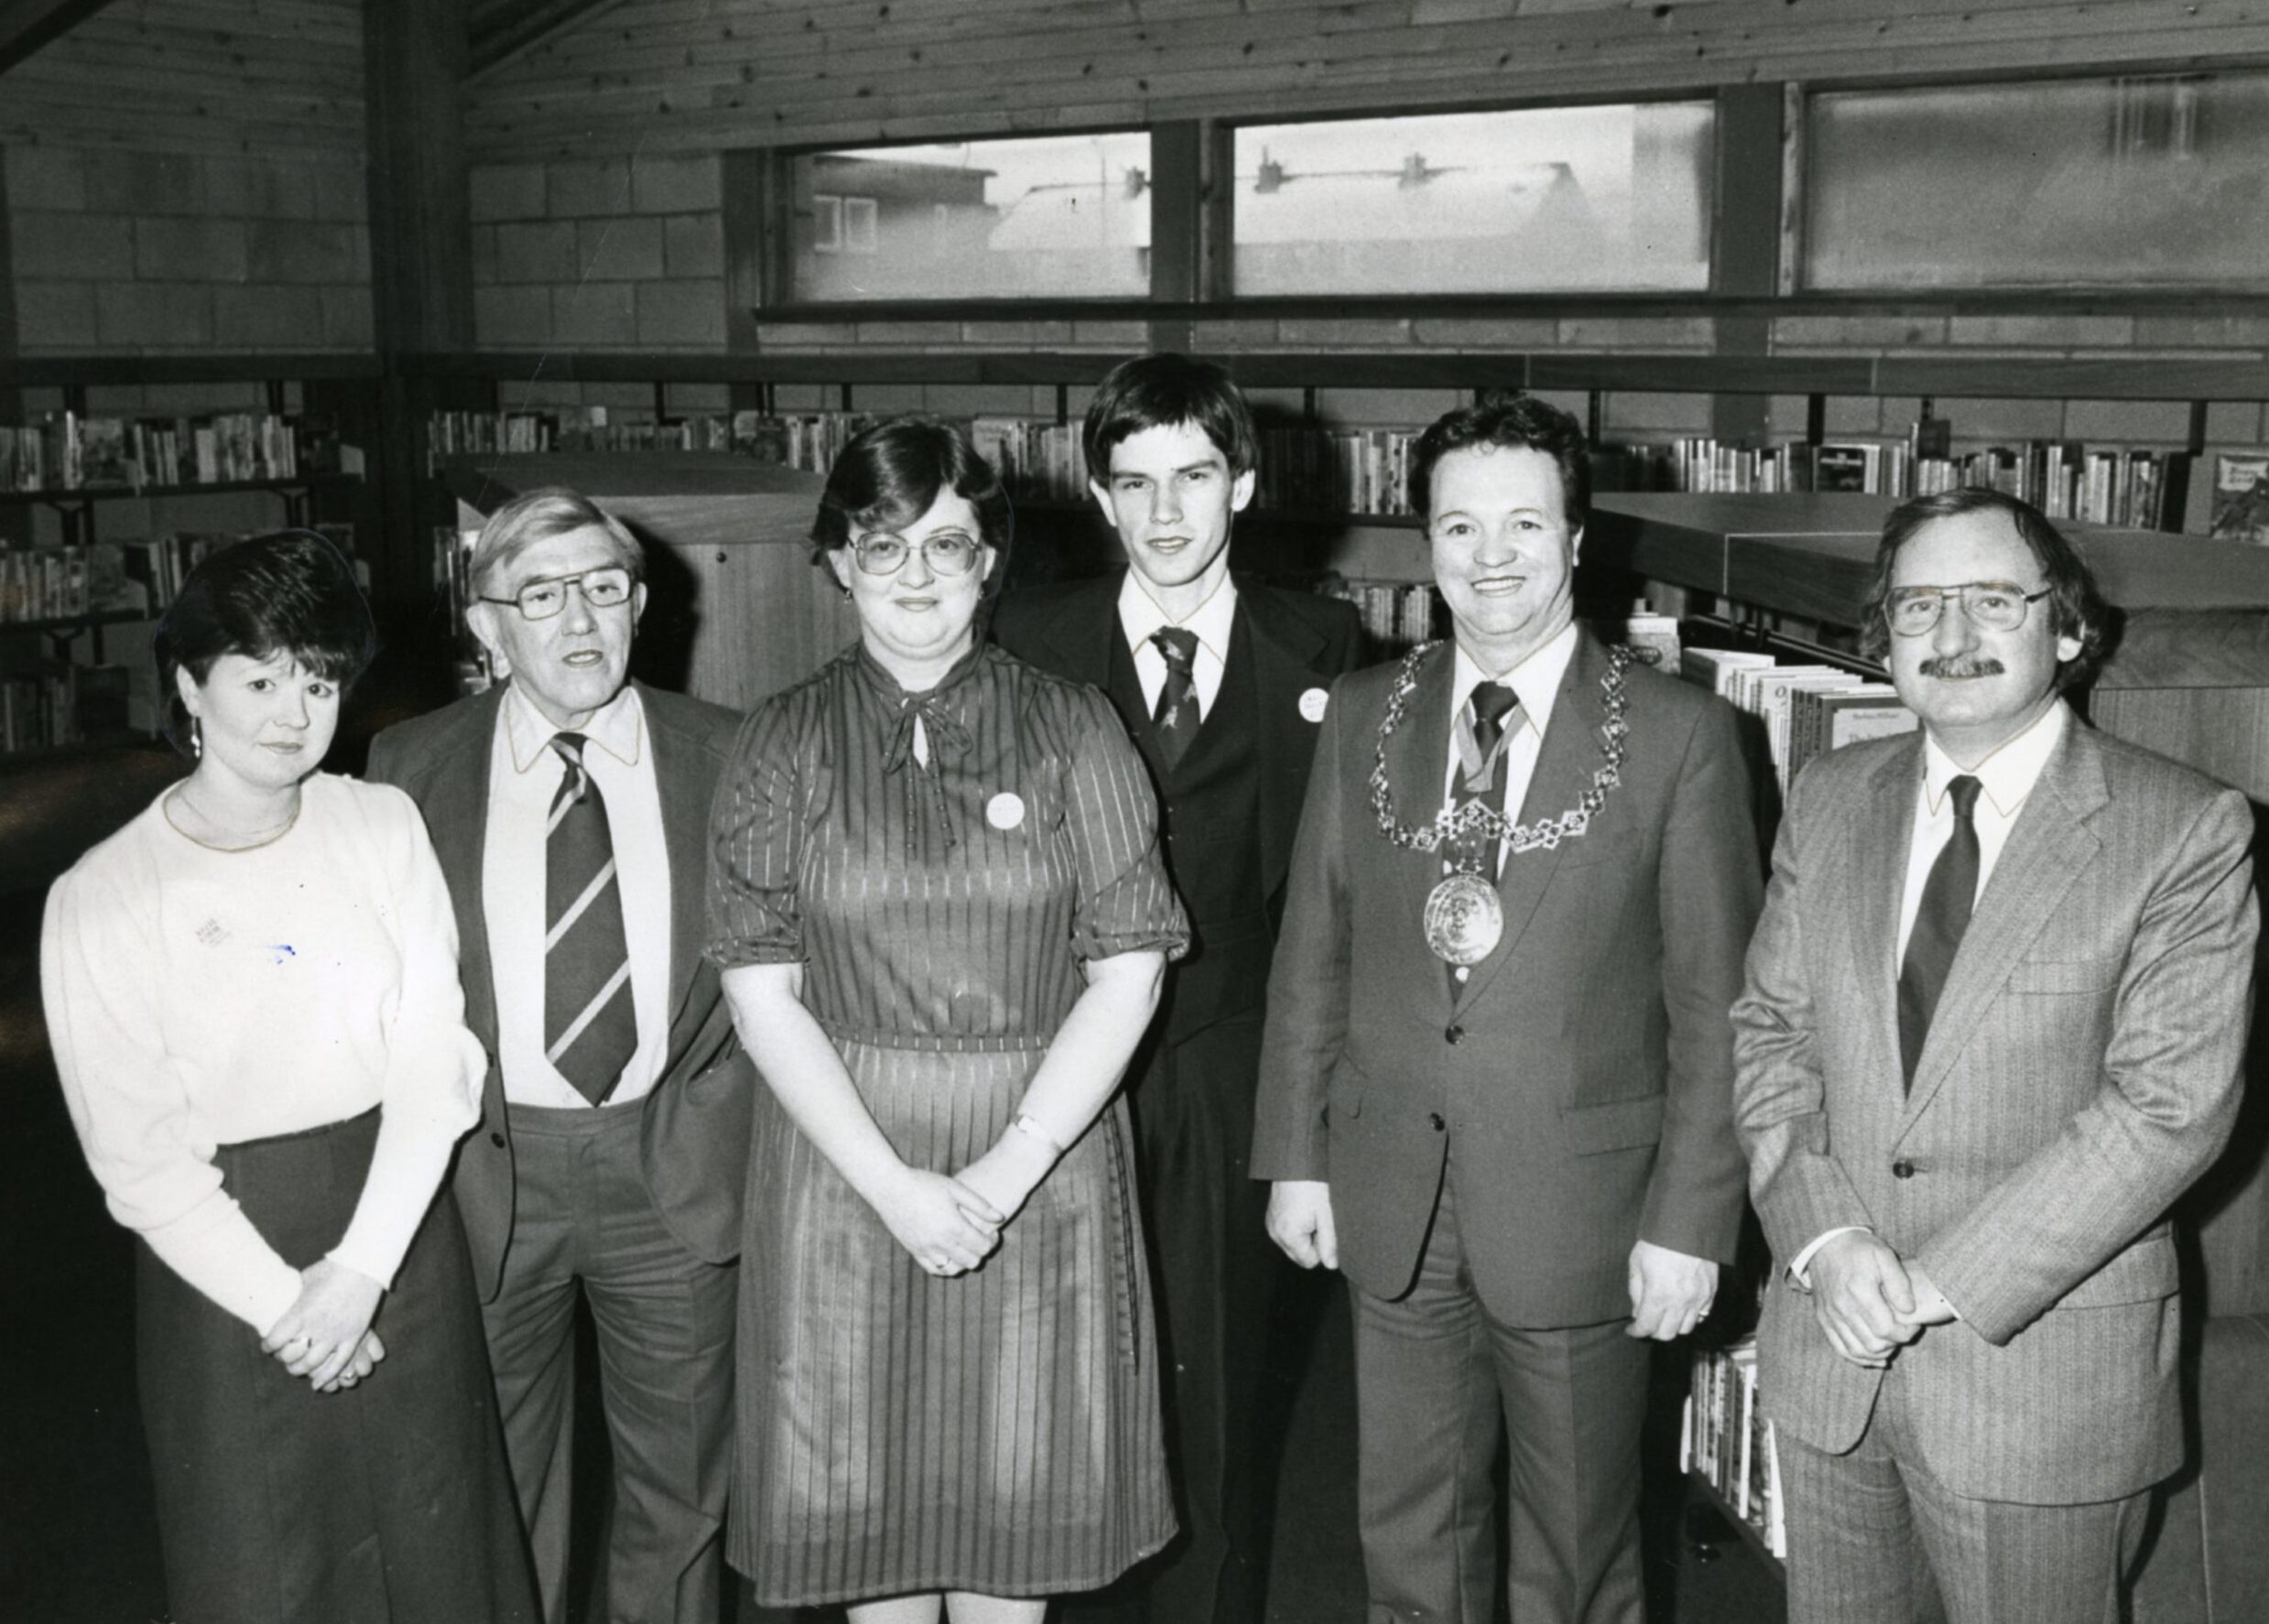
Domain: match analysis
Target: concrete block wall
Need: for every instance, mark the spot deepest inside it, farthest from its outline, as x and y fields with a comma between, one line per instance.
x=126, y=251
x=614, y=253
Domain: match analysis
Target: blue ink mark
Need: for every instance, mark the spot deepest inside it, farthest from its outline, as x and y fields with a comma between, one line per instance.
x=282, y=950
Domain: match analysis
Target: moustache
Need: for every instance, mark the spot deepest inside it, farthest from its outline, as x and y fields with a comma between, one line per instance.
x=1961, y=665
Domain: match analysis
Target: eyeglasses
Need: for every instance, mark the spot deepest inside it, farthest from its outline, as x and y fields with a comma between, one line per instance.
x=541, y=600
x=1991, y=606
x=950, y=554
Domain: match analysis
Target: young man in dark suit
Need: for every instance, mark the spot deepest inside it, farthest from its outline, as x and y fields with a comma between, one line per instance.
x=1497, y=1086
x=1222, y=681
x=569, y=809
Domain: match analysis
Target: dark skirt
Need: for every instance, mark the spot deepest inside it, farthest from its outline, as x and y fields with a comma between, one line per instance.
x=389, y=1502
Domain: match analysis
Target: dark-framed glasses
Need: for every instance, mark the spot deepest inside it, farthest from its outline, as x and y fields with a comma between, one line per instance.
x=1991, y=606
x=950, y=553
x=603, y=588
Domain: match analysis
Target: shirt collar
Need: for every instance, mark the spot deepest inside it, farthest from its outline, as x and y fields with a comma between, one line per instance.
x=2008, y=774
x=1139, y=615
x=1536, y=680
x=617, y=727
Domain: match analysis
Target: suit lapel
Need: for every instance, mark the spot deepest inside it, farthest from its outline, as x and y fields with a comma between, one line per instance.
x=2047, y=849
x=456, y=808
x=678, y=781
x=1282, y=650
x=1417, y=758
x=1873, y=873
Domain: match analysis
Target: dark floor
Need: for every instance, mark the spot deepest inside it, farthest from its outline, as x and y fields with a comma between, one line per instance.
x=78, y=1544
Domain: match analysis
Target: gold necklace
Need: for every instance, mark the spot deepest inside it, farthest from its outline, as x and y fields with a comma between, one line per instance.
x=252, y=842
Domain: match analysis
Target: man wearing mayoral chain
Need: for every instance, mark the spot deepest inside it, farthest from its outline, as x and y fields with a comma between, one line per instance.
x=1496, y=1085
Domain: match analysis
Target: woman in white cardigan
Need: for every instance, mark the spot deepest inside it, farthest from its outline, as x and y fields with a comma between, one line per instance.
x=251, y=995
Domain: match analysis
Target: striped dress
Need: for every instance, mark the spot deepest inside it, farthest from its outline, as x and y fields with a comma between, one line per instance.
x=997, y=1432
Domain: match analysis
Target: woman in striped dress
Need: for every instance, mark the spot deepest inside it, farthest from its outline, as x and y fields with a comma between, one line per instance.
x=942, y=921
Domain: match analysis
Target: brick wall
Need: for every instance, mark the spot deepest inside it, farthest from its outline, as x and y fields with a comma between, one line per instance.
x=620, y=254
x=118, y=251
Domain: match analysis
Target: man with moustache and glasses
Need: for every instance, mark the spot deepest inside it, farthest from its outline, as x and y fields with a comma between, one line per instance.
x=1222, y=681
x=1994, y=1025
x=1496, y=1090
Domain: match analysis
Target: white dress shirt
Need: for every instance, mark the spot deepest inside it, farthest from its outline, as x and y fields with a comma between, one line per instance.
x=2005, y=781
x=525, y=774
x=1536, y=682
x=1139, y=616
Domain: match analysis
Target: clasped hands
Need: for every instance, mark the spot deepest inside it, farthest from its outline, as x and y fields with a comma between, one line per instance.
x=325, y=1335
x=951, y=1223
x=1869, y=1301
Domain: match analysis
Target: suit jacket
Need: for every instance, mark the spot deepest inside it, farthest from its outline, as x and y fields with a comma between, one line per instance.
x=1299, y=642
x=693, y=1135
x=1581, y=1079
x=2082, y=1068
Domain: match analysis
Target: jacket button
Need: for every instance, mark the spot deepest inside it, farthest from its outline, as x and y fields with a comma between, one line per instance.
x=1435, y=1117
x=1456, y=1034
x=1902, y=1170
x=497, y=1140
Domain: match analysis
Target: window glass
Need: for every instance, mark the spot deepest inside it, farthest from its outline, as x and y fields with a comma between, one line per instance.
x=1064, y=215
x=2116, y=183
x=1543, y=199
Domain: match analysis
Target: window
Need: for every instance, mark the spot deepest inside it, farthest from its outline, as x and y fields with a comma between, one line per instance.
x=2083, y=183
x=1058, y=215
x=1545, y=200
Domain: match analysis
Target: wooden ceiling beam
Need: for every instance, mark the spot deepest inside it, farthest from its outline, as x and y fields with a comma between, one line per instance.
x=501, y=32
x=27, y=25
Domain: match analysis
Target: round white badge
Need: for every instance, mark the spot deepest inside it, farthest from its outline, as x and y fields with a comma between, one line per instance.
x=1006, y=811
x=1312, y=704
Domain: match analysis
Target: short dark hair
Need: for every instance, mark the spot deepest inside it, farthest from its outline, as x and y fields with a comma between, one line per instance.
x=1162, y=391
x=2076, y=609
x=288, y=593
x=538, y=515
x=1507, y=419
x=890, y=473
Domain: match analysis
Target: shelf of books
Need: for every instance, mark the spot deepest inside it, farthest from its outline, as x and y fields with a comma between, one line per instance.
x=1361, y=473
x=1726, y=1445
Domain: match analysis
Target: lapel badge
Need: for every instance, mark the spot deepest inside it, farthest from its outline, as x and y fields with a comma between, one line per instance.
x=1006, y=811
x=1312, y=704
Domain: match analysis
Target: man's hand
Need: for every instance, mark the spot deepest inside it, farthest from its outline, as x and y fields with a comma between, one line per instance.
x=1861, y=1297
x=1931, y=1308
x=1299, y=1221
x=1670, y=1291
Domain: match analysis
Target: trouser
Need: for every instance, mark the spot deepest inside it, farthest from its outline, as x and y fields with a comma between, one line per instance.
x=1874, y=1539
x=583, y=1223
x=1435, y=1373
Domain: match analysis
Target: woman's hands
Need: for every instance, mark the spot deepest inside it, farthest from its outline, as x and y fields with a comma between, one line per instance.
x=326, y=1336
x=947, y=1226
x=1006, y=1174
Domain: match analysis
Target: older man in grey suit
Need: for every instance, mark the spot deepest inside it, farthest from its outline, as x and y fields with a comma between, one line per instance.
x=1992, y=1028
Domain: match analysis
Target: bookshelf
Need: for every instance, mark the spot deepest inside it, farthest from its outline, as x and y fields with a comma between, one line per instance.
x=77, y=504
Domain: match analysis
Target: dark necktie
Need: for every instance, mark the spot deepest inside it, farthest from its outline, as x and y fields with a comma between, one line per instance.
x=1174, y=720
x=591, y=1022
x=1939, y=920
x=1493, y=704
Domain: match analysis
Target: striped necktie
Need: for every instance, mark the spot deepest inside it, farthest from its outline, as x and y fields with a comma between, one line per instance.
x=1480, y=777
x=591, y=1022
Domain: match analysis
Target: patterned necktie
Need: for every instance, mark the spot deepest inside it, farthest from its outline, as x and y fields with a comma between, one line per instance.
x=1480, y=777
x=1939, y=920
x=1174, y=722
x=590, y=1020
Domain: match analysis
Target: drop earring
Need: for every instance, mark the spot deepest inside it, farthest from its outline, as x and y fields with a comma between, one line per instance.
x=197, y=737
